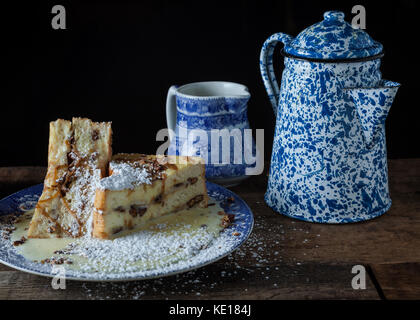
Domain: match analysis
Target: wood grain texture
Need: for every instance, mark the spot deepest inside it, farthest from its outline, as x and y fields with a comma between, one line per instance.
x=301, y=260
x=221, y=281
x=398, y=280
x=13, y=179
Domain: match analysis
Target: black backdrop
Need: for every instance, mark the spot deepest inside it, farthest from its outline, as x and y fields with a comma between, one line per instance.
x=117, y=59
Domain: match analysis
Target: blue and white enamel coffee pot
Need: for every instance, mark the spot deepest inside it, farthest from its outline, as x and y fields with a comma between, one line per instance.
x=329, y=161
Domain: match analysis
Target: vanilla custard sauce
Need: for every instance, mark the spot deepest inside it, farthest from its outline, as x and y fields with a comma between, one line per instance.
x=160, y=243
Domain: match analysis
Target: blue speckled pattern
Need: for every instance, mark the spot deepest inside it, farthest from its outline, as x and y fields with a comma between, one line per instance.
x=373, y=106
x=333, y=38
x=27, y=198
x=329, y=161
x=207, y=113
x=267, y=69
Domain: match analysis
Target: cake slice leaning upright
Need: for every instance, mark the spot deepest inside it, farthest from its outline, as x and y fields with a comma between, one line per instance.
x=143, y=187
x=78, y=155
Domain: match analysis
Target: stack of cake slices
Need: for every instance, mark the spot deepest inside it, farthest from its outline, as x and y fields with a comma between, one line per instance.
x=87, y=192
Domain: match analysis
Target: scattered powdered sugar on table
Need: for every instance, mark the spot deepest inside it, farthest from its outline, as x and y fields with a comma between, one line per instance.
x=256, y=261
x=125, y=176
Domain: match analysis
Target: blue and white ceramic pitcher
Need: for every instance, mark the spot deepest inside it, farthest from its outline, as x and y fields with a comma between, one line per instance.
x=196, y=111
x=329, y=161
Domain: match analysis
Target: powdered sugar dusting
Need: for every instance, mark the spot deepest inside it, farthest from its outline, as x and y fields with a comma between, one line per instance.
x=125, y=176
x=82, y=191
x=147, y=252
x=167, y=247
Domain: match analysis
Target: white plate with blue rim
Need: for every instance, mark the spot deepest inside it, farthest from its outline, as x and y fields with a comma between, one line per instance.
x=228, y=241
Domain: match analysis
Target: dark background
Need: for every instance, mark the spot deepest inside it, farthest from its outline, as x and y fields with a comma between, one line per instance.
x=117, y=59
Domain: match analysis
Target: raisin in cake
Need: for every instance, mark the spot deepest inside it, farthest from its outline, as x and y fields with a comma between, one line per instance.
x=142, y=187
x=78, y=155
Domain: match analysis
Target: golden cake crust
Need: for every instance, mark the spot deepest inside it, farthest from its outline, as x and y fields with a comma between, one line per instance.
x=78, y=152
x=166, y=192
x=87, y=193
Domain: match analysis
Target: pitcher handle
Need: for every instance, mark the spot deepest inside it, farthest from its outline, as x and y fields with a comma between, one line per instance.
x=266, y=66
x=171, y=111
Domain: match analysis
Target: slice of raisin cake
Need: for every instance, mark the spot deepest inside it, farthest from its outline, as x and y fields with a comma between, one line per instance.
x=78, y=155
x=142, y=187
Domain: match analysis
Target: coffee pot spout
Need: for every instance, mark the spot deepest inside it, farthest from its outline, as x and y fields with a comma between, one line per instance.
x=372, y=105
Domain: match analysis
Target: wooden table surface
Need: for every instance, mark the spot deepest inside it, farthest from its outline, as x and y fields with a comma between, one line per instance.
x=283, y=259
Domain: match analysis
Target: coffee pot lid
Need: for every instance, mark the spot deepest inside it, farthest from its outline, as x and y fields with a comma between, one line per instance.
x=333, y=39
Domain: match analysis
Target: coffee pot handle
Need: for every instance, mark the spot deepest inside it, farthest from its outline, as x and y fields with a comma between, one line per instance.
x=266, y=66
x=171, y=110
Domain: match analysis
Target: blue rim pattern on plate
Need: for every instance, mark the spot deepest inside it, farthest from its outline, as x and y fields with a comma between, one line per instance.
x=24, y=199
